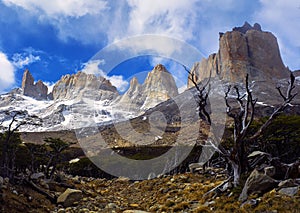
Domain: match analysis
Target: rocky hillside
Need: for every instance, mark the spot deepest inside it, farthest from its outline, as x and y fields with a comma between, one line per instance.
x=243, y=50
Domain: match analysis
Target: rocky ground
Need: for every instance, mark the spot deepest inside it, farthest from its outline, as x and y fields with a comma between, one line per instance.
x=175, y=193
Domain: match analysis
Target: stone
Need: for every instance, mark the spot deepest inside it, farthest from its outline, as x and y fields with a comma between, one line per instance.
x=134, y=211
x=243, y=50
x=111, y=206
x=290, y=191
x=38, y=90
x=36, y=176
x=257, y=183
x=69, y=197
x=287, y=183
x=6, y=181
x=251, y=202
x=123, y=179
x=1, y=182
x=61, y=210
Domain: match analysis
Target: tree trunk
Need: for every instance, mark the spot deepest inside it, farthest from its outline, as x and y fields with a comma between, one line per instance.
x=236, y=173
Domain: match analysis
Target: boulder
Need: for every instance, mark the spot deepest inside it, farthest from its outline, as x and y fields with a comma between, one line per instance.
x=257, y=183
x=69, y=197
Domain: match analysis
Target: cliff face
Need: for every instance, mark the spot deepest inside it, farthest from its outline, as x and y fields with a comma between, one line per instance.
x=83, y=85
x=38, y=91
x=243, y=50
x=159, y=86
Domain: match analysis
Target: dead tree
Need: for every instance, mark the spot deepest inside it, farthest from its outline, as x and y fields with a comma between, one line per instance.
x=16, y=120
x=202, y=95
x=243, y=118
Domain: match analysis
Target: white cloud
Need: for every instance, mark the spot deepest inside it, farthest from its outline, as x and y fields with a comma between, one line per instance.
x=175, y=18
x=92, y=67
x=7, y=73
x=83, y=20
x=22, y=60
x=55, y=8
x=50, y=86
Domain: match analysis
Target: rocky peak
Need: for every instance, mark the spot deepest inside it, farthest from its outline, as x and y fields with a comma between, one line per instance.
x=158, y=86
x=82, y=85
x=243, y=50
x=246, y=27
x=37, y=90
x=160, y=68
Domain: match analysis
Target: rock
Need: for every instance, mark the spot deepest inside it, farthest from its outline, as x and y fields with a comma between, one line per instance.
x=123, y=179
x=36, y=176
x=82, y=85
x=61, y=210
x=252, y=202
x=43, y=183
x=244, y=50
x=209, y=203
x=38, y=91
x=246, y=27
x=287, y=183
x=1, y=182
x=6, y=181
x=134, y=211
x=111, y=206
x=290, y=191
x=257, y=183
x=158, y=86
x=69, y=197
x=270, y=171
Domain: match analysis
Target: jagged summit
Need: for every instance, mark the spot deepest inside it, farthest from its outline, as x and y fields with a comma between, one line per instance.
x=158, y=86
x=243, y=50
x=246, y=27
x=160, y=67
x=38, y=90
x=82, y=84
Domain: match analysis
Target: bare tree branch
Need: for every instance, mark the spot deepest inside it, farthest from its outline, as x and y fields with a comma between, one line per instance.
x=286, y=101
x=203, y=92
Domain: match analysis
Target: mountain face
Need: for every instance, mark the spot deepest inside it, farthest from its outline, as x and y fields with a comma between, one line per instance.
x=159, y=86
x=81, y=98
x=82, y=85
x=243, y=50
x=38, y=91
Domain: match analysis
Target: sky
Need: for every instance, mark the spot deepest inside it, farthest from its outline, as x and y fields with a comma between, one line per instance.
x=55, y=38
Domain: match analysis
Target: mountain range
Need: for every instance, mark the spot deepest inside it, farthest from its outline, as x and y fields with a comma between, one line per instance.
x=79, y=99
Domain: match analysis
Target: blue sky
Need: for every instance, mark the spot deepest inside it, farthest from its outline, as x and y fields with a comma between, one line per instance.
x=54, y=38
